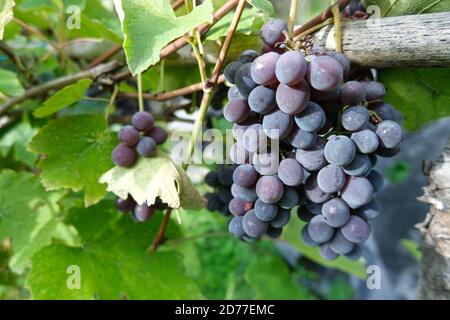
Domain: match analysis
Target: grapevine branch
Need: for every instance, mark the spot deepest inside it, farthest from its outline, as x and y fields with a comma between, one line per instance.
x=292, y=18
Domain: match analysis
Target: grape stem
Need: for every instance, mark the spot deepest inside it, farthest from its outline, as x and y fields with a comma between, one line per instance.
x=161, y=232
x=140, y=97
x=292, y=18
x=337, y=27
x=110, y=106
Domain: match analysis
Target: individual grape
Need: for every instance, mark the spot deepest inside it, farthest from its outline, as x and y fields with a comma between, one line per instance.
x=211, y=179
x=143, y=121
x=272, y=32
x=326, y=252
x=301, y=139
x=356, y=230
x=255, y=139
x=374, y=90
x=390, y=134
x=274, y=233
x=355, y=254
x=246, y=194
x=246, y=238
x=323, y=96
x=158, y=134
x=266, y=164
x=238, y=131
x=236, y=111
x=248, y=56
x=293, y=99
x=277, y=124
x=306, y=238
x=281, y=219
x=230, y=71
x=359, y=167
x=312, y=119
x=387, y=153
x=239, y=207
x=366, y=141
x=234, y=94
x=291, y=67
x=262, y=100
x=304, y=214
x=129, y=136
x=376, y=179
x=269, y=189
x=331, y=179
x=370, y=211
x=387, y=112
x=341, y=58
x=243, y=79
x=289, y=199
x=238, y=153
x=263, y=68
x=225, y=195
x=325, y=73
x=355, y=118
x=124, y=156
x=352, y=93
x=319, y=230
x=245, y=175
x=336, y=212
x=290, y=172
x=312, y=159
x=143, y=212
x=265, y=211
x=235, y=227
x=357, y=192
x=146, y=147
x=313, y=192
x=340, y=244
x=339, y=151
x=314, y=208
x=253, y=227
x=225, y=177
x=125, y=205
x=213, y=202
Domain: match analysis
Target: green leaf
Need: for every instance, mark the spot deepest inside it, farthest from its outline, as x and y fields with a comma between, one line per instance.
x=94, y=28
x=398, y=171
x=422, y=95
x=17, y=139
x=77, y=151
x=265, y=6
x=220, y=29
x=155, y=20
x=412, y=248
x=113, y=262
x=36, y=5
x=270, y=278
x=154, y=177
x=9, y=83
x=27, y=215
x=6, y=15
x=291, y=234
x=63, y=98
x=390, y=8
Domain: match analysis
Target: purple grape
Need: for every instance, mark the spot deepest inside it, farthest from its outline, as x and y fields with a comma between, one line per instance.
x=225, y=176
x=238, y=153
x=272, y=32
x=340, y=244
x=281, y=219
x=255, y=139
x=125, y=205
x=355, y=118
x=142, y=212
x=356, y=230
x=341, y=58
x=230, y=71
x=312, y=159
x=336, y=212
x=301, y=139
x=129, y=136
x=289, y=199
x=319, y=230
x=390, y=134
x=370, y=211
x=290, y=172
x=238, y=131
x=238, y=206
x=387, y=153
x=374, y=91
x=376, y=179
x=234, y=94
x=236, y=111
x=306, y=238
x=146, y=147
x=366, y=141
x=143, y=121
x=325, y=73
x=245, y=175
x=262, y=100
x=357, y=192
x=266, y=164
x=252, y=226
x=314, y=208
x=124, y=156
x=213, y=202
x=339, y=151
x=158, y=134
x=387, y=112
x=291, y=67
x=211, y=179
x=225, y=195
x=359, y=167
x=265, y=211
x=248, y=56
x=246, y=194
x=312, y=119
x=277, y=124
x=331, y=179
x=269, y=189
x=313, y=192
x=326, y=252
x=263, y=68
x=243, y=80
x=352, y=93
x=235, y=227
x=274, y=233
x=293, y=99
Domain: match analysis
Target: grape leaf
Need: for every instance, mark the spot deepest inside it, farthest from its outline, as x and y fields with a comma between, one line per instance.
x=77, y=151
x=265, y=6
x=422, y=95
x=143, y=20
x=17, y=138
x=94, y=28
x=154, y=177
x=28, y=214
x=113, y=262
x=63, y=98
x=9, y=83
x=291, y=234
x=269, y=277
x=6, y=15
x=391, y=8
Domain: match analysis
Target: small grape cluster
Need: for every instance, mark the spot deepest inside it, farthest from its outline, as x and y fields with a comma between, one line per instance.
x=221, y=180
x=139, y=212
x=140, y=138
x=295, y=105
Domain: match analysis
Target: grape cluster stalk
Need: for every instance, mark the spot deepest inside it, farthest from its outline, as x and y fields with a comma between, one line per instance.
x=308, y=133
x=140, y=139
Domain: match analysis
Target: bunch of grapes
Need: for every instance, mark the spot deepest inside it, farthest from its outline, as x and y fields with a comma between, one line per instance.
x=306, y=135
x=140, y=138
x=221, y=180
